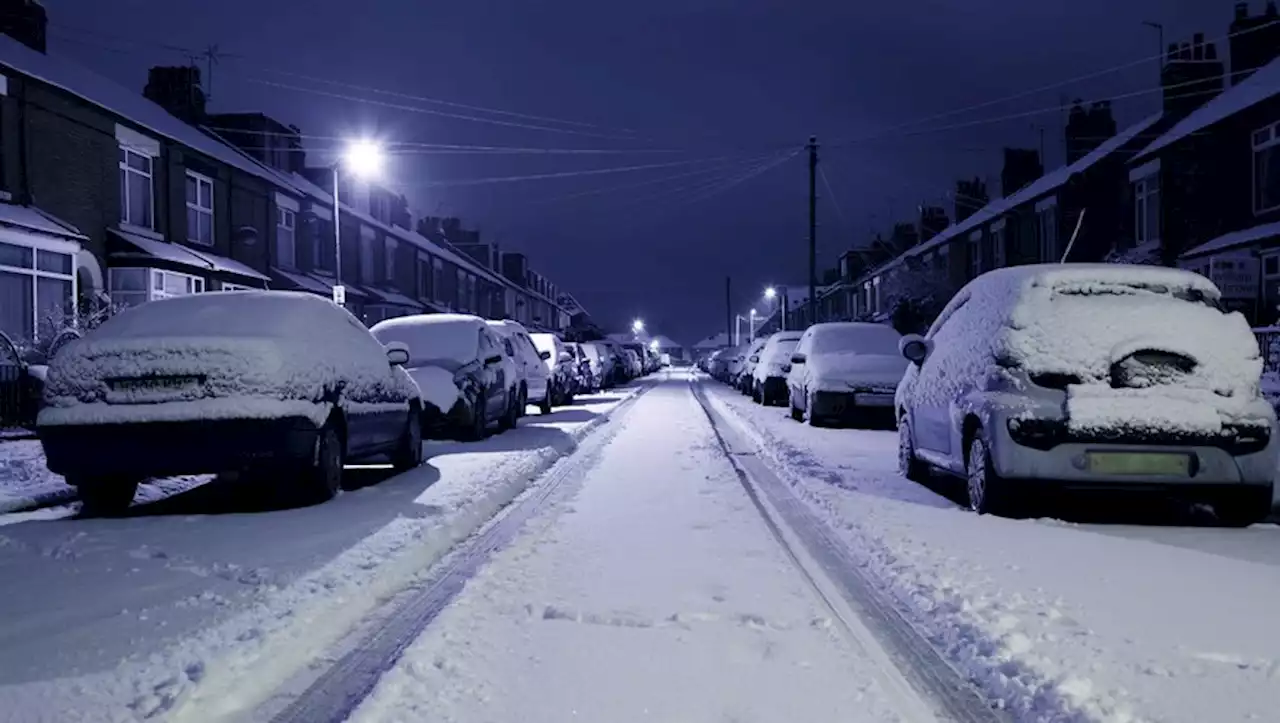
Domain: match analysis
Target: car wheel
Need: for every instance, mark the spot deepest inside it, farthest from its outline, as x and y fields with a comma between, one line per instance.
x=104, y=496
x=1246, y=507
x=988, y=493
x=908, y=464
x=757, y=395
x=322, y=479
x=810, y=417
x=544, y=407
x=796, y=414
x=409, y=453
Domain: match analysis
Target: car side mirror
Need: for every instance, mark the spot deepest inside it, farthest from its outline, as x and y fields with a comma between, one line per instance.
x=915, y=348
x=397, y=353
x=544, y=355
x=797, y=358
x=495, y=359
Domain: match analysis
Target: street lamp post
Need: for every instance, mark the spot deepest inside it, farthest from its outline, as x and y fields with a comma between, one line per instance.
x=364, y=159
x=779, y=305
x=751, y=326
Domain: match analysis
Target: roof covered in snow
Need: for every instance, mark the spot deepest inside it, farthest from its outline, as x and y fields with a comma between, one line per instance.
x=1229, y=241
x=32, y=218
x=1263, y=84
x=665, y=342
x=124, y=102
x=1045, y=184
x=715, y=341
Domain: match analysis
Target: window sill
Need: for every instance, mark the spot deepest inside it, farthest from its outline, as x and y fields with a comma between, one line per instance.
x=194, y=242
x=142, y=231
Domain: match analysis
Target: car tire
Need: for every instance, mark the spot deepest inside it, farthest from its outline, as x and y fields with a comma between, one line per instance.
x=104, y=496
x=796, y=414
x=321, y=480
x=408, y=454
x=479, y=423
x=909, y=464
x=809, y=416
x=544, y=407
x=988, y=493
x=757, y=395
x=1247, y=507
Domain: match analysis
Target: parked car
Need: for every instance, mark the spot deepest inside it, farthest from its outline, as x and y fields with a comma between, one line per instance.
x=733, y=363
x=601, y=364
x=610, y=371
x=590, y=375
x=746, y=374
x=275, y=381
x=561, y=365
x=1102, y=376
x=769, y=377
x=534, y=374
x=635, y=367
x=457, y=362
x=619, y=368
x=841, y=371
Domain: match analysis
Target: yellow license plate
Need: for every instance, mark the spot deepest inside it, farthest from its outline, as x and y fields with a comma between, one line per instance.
x=1120, y=463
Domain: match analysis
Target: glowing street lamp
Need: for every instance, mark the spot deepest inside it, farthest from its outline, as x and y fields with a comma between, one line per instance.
x=637, y=326
x=364, y=159
x=770, y=293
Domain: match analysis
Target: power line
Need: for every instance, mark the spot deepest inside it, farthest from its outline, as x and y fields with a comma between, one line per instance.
x=826, y=184
x=734, y=165
x=568, y=174
x=447, y=147
x=1070, y=81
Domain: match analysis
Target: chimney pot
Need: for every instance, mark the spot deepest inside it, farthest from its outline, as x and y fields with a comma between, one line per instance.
x=1242, y=11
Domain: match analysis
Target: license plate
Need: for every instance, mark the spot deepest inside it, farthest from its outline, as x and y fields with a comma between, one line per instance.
x=1122, y=463
x=152, y=385
x=874, y=399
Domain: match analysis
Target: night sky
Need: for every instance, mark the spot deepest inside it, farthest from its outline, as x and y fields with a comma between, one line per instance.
x=709, y=90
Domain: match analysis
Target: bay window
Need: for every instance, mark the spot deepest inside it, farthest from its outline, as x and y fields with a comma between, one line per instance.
x=37, y=287
x=133, y=286
x=1266, y=169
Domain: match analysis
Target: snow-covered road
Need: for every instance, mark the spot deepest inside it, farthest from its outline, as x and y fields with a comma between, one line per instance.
x=656, y=593
x=122, y=605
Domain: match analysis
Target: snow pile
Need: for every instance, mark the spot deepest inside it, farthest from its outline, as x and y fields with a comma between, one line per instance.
x=259, y=353
x=1055, y=623
x=25, y=482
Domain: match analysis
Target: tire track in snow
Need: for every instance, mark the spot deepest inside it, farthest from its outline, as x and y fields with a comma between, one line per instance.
x=927, y=687
x=335, y=693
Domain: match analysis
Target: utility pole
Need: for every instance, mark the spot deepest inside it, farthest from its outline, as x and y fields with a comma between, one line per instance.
x=813, y=229
x=728, y=310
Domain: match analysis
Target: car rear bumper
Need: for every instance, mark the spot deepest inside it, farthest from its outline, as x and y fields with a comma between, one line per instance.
x=158, y=449
x=846, y=405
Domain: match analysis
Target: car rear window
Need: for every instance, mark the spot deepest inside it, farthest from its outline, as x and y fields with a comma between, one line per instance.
x=861, y=339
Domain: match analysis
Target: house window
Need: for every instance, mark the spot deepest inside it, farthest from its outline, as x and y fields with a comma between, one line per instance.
x=225, y=286
x=1271, y=266
x=1146, y=208
x=1047, y=232
x=437, y=280
x=974, y=248
x=1266, y=169
x=133, y=286
x=366, y=257
x=463, y=297
x=380, y=206
x=137, y=192
x=389, y=260
x=37, y=288
x=286, y=238
x=199, y=208
x=998, y=242
x=424, y=278
x=473, y=298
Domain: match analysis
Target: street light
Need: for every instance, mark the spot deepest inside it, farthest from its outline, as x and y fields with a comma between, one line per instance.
x=364, y=159
x=637, y=326
x=771, y=294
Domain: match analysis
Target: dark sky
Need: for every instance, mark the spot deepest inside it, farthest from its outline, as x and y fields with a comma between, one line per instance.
x=705, y=87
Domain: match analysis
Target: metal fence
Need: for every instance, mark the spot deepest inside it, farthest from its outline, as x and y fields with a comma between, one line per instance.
x=15, y=406
x=1269, y=342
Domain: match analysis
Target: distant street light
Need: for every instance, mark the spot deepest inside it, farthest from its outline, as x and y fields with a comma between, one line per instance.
x=653, y=344
x=637, y=326
x=364, y=159
x=770, y=293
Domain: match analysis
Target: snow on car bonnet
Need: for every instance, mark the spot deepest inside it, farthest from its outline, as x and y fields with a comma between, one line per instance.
x=1135, y=347
x=249, y=353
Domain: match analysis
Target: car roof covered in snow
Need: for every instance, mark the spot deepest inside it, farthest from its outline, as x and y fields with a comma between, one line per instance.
x=433, y=338
x=280, y=314
x=1054, y=275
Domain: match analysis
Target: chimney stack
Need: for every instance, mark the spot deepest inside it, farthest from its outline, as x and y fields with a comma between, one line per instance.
x=1021, y=167
x=177, y=90
x=25, y=21
x=1191, y=76
x=1255, y=41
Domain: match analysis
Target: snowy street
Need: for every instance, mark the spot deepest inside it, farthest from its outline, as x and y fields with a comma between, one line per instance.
x=667, y=551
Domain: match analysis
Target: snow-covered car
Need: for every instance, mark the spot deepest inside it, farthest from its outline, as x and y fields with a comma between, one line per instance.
x=534, y=375
x=610, y=374
x=601, y=364
x=260, y=381
x=561, y=365
x=635, y=367
x=769, y=377
x=745, y=374
x=457, y=362
x=733, y=363
x=1099, y=376
x=589, y=368
x=842, y=370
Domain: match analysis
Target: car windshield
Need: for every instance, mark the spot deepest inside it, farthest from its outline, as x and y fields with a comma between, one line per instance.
x=782, y=348
x=443, y=343
x=860, y=339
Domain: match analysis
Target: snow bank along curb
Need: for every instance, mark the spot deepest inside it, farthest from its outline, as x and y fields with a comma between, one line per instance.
x=1008, y=683
x=245, y=658
x=43, y=498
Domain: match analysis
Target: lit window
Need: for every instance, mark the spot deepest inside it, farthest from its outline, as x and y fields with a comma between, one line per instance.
x=199, y=208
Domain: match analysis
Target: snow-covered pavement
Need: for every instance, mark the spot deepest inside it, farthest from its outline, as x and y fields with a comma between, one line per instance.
x=655, y=593
x=122, y=617
x=1055, y=621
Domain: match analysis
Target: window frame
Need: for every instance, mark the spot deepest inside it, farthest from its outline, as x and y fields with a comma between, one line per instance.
x=1146, y=188
x=1047, y=235
x=194, y=207
x=122, y=163
x=283, y=214
x=390, y=246
x=1271, y=146
x=36, y=245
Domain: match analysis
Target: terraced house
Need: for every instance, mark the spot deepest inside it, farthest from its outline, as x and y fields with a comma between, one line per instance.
x=108, y=194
